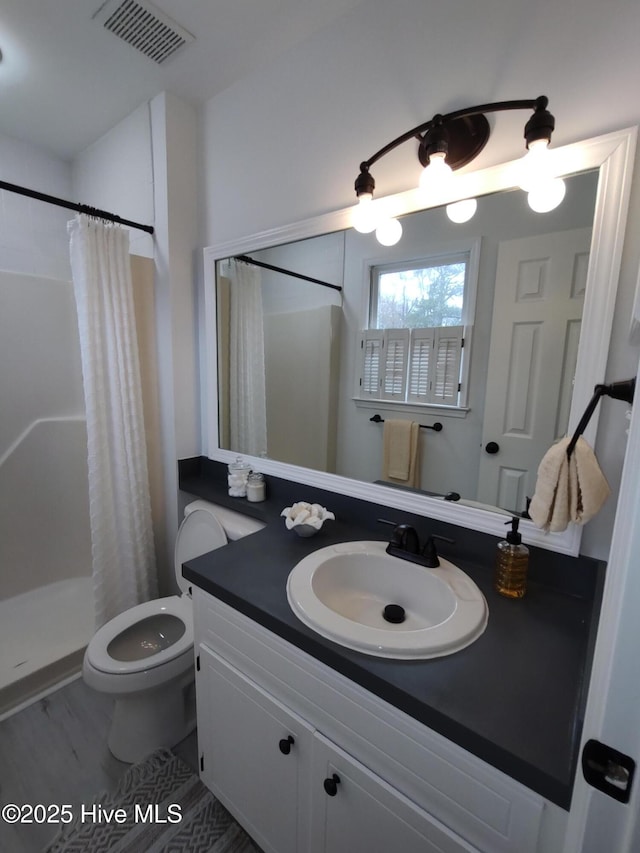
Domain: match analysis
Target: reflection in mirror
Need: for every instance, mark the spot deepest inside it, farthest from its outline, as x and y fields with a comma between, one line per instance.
x=295, y=369
x=523, y=304
x=358, y=440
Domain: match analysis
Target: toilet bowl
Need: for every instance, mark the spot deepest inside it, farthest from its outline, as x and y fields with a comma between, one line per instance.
x=144, y=657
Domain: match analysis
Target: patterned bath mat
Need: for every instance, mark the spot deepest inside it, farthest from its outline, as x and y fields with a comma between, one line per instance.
x=164, y=807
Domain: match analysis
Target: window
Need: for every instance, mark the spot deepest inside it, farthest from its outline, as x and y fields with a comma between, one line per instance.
x=412, y=350
x=424, y=294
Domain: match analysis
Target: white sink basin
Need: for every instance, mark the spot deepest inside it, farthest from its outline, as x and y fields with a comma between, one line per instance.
x=342, y=591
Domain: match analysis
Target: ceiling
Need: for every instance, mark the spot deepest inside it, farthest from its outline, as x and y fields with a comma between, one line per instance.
x=65, y=79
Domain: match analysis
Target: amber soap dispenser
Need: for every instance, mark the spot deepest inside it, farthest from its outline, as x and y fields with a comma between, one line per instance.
x=512, y=564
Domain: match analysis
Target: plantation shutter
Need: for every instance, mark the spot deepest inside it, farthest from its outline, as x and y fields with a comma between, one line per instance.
x=420, y=365
x=370, y=363
x=413, y=365
x=396, y=358
x=446, y=375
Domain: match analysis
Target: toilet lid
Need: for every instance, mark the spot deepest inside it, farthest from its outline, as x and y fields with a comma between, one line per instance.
x=199, y=533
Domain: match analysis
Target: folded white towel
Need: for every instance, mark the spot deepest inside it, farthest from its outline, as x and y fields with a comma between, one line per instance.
x=568, y=489
x=397, y=448
x=400, y=455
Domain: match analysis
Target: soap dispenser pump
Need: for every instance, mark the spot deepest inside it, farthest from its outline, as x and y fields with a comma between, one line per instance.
x=512, y=563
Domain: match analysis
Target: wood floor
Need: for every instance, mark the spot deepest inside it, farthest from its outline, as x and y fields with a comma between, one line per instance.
x=55, y=751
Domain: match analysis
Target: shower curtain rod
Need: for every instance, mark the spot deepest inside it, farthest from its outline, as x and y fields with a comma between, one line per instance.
x=70, y=205
x=248, y=260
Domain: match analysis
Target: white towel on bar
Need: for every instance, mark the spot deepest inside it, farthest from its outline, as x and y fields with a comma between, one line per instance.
x=568, y=489
x=401, y=462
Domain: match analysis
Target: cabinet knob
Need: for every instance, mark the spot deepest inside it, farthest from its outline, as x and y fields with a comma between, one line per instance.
x=331, y=785
x=286, y=744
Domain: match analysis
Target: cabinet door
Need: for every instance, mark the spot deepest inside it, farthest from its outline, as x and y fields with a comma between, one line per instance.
x=356, y=810
x=255, y=755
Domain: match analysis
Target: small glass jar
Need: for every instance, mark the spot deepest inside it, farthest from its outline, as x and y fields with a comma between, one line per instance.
x=237, y=478
x=256, y=487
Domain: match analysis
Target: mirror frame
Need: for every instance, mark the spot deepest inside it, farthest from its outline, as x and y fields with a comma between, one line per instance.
x=613, y=155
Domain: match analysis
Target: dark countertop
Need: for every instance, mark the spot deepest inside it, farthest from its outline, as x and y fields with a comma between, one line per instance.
x=514, y=698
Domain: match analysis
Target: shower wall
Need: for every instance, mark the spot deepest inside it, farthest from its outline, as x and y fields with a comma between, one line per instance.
x=43, y=491
x=46, y=613
x=44, y=525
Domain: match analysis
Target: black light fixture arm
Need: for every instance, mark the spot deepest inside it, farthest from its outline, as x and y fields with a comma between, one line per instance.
x=539, y=126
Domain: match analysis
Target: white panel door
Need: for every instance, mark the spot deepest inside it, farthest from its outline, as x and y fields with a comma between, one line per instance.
x=539, y=295
x=355, y=810
x=256, y=755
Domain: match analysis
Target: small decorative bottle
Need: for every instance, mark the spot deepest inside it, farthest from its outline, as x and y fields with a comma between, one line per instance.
x=256, y=489
x=512, y=563
x=237, y=478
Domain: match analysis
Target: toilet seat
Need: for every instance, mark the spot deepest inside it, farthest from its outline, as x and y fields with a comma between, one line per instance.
x=179, y=607
x=199, y=533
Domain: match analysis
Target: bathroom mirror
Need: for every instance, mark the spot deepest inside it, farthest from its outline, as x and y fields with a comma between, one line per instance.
x=597, y=194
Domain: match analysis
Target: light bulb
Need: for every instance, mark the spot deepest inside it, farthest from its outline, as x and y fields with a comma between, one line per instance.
x=388, y=232
x=547, y=195
x=436, y=174
x=535, y=166
x=462, y=211
x=364, y=214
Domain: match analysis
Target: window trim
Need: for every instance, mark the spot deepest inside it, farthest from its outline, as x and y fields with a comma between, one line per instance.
x=471, y=251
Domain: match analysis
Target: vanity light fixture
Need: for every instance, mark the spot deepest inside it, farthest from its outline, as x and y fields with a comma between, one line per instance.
x=448, y=142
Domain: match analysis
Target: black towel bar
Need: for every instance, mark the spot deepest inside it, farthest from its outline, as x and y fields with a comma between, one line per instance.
x=437, y=427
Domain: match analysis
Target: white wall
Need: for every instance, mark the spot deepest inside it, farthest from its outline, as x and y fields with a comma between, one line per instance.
x=115, y=174
x=286, y=144
x=33, y=235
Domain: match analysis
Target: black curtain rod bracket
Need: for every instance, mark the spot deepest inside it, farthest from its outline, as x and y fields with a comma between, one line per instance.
x=71, y=205
x=623, y=390
x=247, y=260
x=437, y=427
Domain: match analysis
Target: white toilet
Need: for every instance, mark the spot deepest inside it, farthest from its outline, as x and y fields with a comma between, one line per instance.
x=144, y=657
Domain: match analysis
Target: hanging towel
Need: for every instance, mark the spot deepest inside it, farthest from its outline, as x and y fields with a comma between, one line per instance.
x=568, y=489
x=400, y=460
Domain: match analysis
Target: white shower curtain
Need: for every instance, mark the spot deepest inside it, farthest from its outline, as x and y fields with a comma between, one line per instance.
x=247, y=396
x=123, y=554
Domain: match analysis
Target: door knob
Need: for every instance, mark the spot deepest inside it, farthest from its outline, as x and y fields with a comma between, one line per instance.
x=286, y=744
x=492, y=447
x=331, y=785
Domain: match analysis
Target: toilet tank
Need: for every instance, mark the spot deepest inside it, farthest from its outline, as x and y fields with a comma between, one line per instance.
x=235, y=524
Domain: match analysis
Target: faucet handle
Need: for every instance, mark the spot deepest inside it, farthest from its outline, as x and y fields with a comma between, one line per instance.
x=403, y=537
x=429, y=552
x=399, y=533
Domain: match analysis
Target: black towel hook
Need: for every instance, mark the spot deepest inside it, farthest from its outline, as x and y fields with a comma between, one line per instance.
x=623, y=390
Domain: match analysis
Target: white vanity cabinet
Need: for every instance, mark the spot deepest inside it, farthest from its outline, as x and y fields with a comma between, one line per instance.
x=293, y=789
x=310, y=762
x=255, y=755
x=354, y=809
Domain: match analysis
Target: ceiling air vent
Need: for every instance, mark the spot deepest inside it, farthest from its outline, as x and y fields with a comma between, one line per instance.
x=144, y=27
